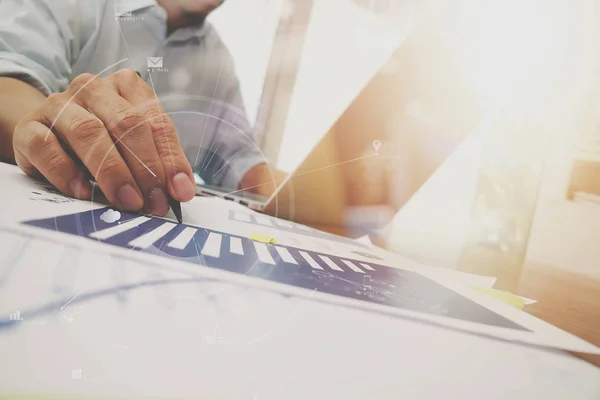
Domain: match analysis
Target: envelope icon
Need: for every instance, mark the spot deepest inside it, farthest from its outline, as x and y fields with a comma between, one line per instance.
x=122, y=10
x=155, y=62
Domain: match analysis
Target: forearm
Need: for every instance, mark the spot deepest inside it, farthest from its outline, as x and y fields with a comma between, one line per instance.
x=17, y=100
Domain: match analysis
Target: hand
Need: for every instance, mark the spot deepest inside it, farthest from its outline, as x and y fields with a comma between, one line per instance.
x=116, y=128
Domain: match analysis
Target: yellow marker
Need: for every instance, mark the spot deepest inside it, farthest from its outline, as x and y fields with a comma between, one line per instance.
x=505, y=297
x=262, y=238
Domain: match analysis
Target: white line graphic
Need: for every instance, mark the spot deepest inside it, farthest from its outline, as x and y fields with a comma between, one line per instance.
x=366, y=266
x=310, y=260
x=285, y=255
x=212, y=247
x=69, y=302
x=263, y=253
x=235, y=246
x=183, y=239
x=353, y=266
x=330, y=263
x=115, y=230
x=147, y=239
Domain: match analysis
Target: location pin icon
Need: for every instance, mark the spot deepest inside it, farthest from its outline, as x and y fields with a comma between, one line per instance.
x=376, y=145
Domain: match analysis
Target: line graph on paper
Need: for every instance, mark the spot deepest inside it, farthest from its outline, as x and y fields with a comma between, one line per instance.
x=207, y=248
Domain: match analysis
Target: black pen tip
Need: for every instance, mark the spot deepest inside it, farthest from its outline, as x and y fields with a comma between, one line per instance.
x=176, y=207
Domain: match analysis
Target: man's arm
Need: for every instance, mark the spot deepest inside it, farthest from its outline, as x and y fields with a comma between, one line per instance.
x=17, y=100
x=113, y=127
x=35, y=59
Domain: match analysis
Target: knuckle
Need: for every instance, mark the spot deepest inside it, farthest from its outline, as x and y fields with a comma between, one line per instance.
x=156, y=118
x=112, y=166
x=171, y=153
x=55, y=99
x=83, y=87
x=20, y=131
x=162, y=141
x=83, y=80
x=163, y=127
x=128, y=123
x=145, y=168
x=85, y=130
x=54, y=161
x=35, y=142
x=126, y=76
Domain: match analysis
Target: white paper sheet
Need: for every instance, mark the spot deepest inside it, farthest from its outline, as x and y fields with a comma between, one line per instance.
x=442, y=275
x=206, y=338
x=364, y=240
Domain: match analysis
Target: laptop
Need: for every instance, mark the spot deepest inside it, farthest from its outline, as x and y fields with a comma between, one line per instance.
x=425, y=96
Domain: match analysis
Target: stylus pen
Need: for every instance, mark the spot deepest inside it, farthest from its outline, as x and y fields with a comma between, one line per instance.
x=176, y=207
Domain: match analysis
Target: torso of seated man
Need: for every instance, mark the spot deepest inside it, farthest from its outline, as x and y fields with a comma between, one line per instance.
x=136, y=95
x=181, y=56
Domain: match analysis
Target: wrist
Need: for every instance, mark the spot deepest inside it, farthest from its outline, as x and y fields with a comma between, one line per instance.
x=18, y=99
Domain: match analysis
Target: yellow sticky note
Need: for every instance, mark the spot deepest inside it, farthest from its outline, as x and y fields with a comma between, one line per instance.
x=261, y=238
x=505, y=297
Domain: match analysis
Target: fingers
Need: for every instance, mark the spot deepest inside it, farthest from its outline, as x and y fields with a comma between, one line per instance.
x=118, y=130
x=91, y=142
x=132, y=135
x=36, y=151
x=177, y=169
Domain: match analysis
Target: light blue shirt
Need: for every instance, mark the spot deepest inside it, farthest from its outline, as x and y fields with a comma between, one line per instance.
x=49, y=42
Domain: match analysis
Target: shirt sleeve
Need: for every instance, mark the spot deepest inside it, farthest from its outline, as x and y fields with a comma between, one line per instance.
x=236, y=150
x=39, y=41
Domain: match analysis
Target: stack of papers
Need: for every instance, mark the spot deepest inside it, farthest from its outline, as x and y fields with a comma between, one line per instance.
x=92, y=303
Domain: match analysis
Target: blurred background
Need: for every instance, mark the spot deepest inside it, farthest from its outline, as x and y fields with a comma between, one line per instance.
x=504, y=94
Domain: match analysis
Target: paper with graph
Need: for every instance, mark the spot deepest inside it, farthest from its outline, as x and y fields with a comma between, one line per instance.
x=61, y=256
